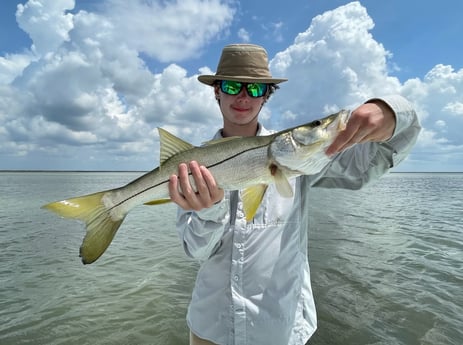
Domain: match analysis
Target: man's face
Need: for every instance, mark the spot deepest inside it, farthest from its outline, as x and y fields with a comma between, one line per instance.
x=240, y=109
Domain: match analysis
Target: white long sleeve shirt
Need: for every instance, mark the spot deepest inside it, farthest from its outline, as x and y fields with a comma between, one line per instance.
x=253, y=286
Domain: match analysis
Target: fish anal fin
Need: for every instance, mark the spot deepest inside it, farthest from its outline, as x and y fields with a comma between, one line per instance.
x=252, y=198
x=157, y=202
x=171, y=145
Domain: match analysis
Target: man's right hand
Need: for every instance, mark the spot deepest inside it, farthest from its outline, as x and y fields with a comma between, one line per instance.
x=187, y=196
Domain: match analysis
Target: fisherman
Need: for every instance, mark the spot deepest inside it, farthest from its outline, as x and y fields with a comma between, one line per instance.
x=253, y=286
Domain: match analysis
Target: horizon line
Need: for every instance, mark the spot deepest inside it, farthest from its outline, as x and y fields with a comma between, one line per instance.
x=145, y=171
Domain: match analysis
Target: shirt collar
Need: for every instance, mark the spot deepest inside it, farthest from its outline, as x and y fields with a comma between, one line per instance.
x=261, y=130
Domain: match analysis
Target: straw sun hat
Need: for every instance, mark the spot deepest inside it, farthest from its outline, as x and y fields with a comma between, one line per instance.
x=242, y=62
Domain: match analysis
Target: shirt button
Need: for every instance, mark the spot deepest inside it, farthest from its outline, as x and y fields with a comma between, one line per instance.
x=236, y=277
x=238, y=245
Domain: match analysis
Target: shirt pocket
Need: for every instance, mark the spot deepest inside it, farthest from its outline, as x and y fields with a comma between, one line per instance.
x=276, y=209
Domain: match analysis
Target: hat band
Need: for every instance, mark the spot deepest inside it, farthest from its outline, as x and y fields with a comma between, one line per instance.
x=248, y=72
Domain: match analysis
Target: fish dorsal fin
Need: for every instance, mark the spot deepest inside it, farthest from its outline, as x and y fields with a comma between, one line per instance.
x=252, y=197
x=282, y=184
x=220, y=140
x=171, y=145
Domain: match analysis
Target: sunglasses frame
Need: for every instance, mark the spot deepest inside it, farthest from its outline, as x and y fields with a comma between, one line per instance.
x=240, y=84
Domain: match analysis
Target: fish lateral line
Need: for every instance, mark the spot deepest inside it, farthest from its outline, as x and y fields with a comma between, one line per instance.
x=156, y=202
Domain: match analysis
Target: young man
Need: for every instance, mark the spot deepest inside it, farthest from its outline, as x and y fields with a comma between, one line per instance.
x=253, y=286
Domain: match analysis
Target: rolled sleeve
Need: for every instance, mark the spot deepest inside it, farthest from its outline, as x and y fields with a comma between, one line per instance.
x=362, y=163
x=406, y=130
x=403, y=110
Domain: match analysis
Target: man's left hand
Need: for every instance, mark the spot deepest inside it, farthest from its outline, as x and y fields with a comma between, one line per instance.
x=372, y=121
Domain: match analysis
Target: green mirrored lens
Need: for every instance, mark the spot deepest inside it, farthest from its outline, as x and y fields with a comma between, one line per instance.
x=231, y=87
x=256, y=89
x=234, y=87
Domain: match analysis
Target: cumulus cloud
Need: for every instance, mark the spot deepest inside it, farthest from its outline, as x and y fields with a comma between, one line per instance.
x=168, y=30
x=336, y=63
x=46, y=23
x=438, y=100
x=84, y=87
x=341, y=62
x=12, y=65
x=83, y=97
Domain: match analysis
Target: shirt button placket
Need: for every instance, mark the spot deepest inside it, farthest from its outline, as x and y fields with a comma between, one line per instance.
x=237, y=279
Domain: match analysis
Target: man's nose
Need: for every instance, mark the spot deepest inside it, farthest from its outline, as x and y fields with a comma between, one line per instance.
x=243, y=93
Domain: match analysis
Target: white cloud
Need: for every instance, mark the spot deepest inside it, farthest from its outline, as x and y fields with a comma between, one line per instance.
x=12, y=65
x=341, y=62
x=83, y=90
x=168, y=30
x=46, y=23
x=455, y=108
x=438, y=99
x=85, y=87
x=244, y=35
x=442, y=125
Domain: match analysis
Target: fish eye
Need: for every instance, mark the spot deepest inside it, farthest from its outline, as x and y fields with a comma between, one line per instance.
x=317, y=123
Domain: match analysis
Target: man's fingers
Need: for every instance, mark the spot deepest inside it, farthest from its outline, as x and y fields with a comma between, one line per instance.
x=194, y=188
x=216, y=194
x=175, y=194
x=200, y=183
x=344, y=139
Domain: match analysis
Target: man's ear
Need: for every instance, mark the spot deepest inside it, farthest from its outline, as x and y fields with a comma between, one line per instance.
x=266, y=97
x=217, y=93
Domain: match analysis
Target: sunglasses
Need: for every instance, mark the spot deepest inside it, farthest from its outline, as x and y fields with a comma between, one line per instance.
x=233, y=88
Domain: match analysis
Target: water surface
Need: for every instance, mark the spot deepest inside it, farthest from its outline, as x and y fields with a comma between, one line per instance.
x=387, y=265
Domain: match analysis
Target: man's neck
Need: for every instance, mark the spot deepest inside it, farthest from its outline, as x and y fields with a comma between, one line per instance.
x=240, y=131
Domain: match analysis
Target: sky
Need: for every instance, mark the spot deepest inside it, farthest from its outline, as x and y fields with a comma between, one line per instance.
x=85, y=84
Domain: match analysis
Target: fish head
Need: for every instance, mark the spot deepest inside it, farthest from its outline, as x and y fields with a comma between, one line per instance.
x=320, y=130
x=302, y=148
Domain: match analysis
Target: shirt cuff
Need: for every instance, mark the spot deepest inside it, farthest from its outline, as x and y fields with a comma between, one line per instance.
x=215, y=213
x=403, y=111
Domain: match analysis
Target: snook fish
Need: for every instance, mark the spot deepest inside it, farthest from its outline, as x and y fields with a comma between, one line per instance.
x=249, y=164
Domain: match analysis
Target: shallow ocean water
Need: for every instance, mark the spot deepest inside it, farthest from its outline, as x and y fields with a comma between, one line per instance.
x=386, y=262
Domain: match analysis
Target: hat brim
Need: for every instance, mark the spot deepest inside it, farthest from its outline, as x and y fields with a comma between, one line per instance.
x=210, y=79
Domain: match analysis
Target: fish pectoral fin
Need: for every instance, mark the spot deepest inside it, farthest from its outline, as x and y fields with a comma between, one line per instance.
x=171, y=145
x=282, y=184
x=100, y=226
x=252, y=197
x=157, y=202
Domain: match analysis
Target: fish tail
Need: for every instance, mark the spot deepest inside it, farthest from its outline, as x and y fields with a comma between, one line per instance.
x=100, y=225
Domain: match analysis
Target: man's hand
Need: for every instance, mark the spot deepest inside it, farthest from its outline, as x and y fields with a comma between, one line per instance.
x=373, y=121
x=206, y=193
